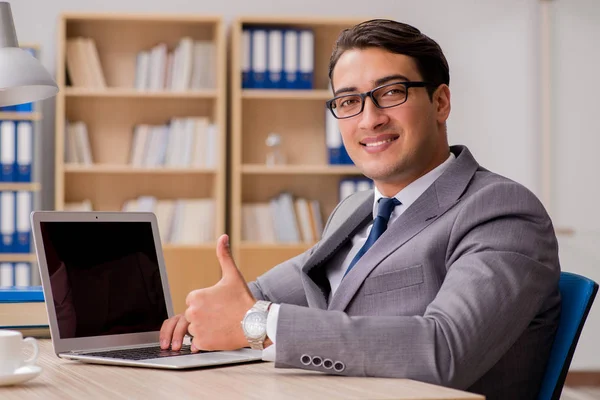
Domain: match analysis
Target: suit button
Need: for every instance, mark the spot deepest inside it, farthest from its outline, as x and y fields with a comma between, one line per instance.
x=305, y=359
x=339, y=366
x=327, y=363
x=317, y=361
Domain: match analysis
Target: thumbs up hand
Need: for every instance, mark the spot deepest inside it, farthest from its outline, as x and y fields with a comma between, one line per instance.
x=215, y=313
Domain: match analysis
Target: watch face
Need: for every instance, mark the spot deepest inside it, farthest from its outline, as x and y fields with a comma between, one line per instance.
x=255, y=324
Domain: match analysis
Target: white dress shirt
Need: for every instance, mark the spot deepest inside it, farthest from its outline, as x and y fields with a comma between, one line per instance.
x=337, y=268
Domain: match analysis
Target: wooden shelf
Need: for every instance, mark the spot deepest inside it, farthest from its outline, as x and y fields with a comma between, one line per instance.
x=254, y=259
x=31, y=187
x=259, y=169
x=282, y=94
x=111, y=115
x=312, y=22
x=129, y=170
x=21, y=116
x=299, y=117
x=18, y=257
x=162, y=18
x=133, y=93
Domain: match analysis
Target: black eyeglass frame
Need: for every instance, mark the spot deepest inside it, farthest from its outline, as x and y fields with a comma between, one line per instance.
x=363, y=96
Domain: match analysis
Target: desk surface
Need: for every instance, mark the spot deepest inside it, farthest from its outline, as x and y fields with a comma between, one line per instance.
x=63, y=379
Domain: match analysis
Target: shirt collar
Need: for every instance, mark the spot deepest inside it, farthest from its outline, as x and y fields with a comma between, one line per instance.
x=415, y=189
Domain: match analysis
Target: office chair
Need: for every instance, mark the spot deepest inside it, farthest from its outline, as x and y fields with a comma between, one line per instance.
x=578, y=293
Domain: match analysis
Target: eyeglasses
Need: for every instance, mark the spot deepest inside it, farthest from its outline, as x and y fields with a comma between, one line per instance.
x=385, y=96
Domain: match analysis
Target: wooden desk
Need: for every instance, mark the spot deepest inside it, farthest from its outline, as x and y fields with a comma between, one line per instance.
x=63, y=379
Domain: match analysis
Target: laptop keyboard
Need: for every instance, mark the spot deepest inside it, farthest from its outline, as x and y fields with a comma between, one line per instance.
x=143, y=353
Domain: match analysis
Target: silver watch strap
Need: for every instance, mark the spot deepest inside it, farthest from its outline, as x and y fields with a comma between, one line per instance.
x=262, y=305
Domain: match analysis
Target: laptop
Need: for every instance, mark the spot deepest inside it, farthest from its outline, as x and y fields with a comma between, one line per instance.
x=106, y=291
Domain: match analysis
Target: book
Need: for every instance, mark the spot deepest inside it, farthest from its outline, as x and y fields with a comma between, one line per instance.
x=42, y=332
x=17, y=294
x=23, y=315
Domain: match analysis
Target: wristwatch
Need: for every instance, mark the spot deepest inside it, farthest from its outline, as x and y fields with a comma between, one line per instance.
x=254, y=324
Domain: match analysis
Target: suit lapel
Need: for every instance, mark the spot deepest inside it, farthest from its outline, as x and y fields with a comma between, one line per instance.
x=330, y=244
x=432, y=204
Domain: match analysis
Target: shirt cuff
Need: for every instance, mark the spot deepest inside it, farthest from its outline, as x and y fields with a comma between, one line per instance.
x=269, y=353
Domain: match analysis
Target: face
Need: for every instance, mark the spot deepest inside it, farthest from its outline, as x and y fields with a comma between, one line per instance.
x=397, y=145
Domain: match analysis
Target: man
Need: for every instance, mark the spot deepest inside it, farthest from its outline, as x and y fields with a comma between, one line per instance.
x=461, y=289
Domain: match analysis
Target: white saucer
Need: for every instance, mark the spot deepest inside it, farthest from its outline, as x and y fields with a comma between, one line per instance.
x=21, y=375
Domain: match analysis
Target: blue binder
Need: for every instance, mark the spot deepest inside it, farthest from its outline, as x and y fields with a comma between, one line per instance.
x=21, y=294
x=345, y=157
x=24, y=151
x=7, y=221
x=7, y=274
x=8, y=152
x=290, y=58
x=25, y=107
x=275, y=59
x=259, y=58
x=246, y=55
x=24, y=206
x=306, y=59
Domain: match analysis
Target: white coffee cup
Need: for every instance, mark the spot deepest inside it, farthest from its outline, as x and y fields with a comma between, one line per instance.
x=11, y=351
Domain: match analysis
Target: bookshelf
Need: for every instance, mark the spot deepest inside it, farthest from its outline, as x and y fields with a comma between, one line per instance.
x=298, y=115
x=114, y=109
x=19, y=265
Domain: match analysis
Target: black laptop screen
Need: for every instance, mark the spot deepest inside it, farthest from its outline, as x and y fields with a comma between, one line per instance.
x=104, y=277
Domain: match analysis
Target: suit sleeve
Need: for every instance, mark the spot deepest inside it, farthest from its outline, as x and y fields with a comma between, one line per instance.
x=282, y=283
x=502, y=265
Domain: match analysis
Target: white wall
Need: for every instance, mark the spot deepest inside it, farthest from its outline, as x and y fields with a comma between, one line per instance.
x=576, y=131
x=492, y=49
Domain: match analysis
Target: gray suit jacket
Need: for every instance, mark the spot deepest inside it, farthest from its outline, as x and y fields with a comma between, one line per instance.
x=461, y=290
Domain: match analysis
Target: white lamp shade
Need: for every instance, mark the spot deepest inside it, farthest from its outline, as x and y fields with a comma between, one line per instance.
x=23, y=79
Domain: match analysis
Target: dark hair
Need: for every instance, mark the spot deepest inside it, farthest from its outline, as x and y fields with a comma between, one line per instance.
x=398, y=38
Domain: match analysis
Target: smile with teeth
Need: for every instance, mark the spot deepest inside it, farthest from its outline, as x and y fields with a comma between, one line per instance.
x=378, y=143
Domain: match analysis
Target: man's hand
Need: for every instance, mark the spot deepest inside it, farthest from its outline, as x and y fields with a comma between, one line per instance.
x=214, y=314
x=172, y=332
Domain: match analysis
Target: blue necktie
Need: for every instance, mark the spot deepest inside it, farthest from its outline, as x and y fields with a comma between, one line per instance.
x=385, y=208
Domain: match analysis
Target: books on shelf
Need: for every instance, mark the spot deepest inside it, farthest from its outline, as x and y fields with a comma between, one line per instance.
x=277, y=58
x=23, y=293
x=77, y=143
x=22, y=308
x=23, y=315
x=184, y=142
x=186, y=221
x=349, y=186
x=78, y=206
x=180, y=221
x=17, y=275
x=190, y=66
x=18, y=108
x=83, y=63
x=289, y=219
x=283, y=219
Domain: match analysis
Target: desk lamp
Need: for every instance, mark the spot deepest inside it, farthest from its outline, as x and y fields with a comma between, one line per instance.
x=22, y=78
